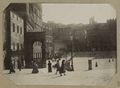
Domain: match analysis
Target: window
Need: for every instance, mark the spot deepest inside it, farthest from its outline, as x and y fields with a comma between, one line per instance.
x=35, y=55
x=39, y=55
x=13, y=27
x=12, y=15
x=13, y=46
x=17, y=18
x=17, y=46
x=17, y=29
x=20, y=30
x=21, y=46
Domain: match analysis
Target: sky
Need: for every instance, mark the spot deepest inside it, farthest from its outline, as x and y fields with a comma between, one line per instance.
x=77, y=13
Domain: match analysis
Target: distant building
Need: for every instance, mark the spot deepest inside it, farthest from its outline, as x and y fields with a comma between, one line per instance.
x=92, y=20
x=61, y=38
x=49, y=40
x=59, y=48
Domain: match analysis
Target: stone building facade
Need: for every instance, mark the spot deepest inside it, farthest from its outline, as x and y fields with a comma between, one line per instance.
x=24, y=33
x=13, y=44
x=17, y=38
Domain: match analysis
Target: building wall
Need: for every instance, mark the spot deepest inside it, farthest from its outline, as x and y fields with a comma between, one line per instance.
x=17, y=32
x=49, y=40
x=34, y=15
x=20, y=20
x=59, y=48
x=34, y=25
x=17, y=38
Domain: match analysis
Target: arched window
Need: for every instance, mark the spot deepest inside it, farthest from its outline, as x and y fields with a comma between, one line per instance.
x=37, y=49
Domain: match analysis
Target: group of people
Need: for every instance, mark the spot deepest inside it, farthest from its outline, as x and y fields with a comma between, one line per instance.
x=12, y=68
x=58, y=66
x=61, y=69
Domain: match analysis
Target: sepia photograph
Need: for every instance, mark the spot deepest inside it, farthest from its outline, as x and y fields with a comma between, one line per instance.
x=59, y=43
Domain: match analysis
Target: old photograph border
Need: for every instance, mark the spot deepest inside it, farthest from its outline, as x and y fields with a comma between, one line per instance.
x=5, y=83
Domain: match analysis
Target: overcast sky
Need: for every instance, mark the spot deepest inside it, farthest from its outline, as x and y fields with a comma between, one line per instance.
x=77, y=13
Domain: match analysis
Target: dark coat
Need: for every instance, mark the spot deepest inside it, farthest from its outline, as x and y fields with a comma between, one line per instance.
x=11, y=68
x=49, y=67
x=35, y=68
x=62, y=68
x=19, y=65
x=57, y=65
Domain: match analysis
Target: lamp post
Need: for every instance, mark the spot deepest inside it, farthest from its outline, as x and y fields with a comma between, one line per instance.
x=72, y=67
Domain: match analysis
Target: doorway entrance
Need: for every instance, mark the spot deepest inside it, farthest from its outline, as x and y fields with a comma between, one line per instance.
x=35, y=49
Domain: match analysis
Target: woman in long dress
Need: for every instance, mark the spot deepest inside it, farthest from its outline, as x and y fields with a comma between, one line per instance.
x=57, y=65
x=35, y=67
x=62, y=69
x=11, y=68
x=49, y=67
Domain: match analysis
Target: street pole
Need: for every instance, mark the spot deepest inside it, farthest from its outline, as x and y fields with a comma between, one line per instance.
x=72, y=67
x=66, y=53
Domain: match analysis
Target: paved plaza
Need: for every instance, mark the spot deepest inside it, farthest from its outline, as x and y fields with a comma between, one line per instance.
x=100, y=75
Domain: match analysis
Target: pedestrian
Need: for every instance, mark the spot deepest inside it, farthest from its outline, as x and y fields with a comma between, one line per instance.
x=112, y=60
x=49, y=67
x=19, y=65
x=62, y=68
x=57, y=65
x=67, y=65
x=35, y=67
x=96, y=65
x=11, y=68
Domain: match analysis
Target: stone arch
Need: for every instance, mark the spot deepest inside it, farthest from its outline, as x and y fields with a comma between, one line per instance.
x=30, y=39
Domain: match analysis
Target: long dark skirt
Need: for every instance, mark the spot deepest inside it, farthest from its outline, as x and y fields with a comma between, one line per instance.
x=35, y=70
x=11, y=69
x=62, y=70
x=49, y=69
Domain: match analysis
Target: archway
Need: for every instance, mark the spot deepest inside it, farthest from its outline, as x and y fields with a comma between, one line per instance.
x=35, y=40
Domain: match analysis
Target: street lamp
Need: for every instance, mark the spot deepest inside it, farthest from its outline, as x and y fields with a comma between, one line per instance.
x=72, y=67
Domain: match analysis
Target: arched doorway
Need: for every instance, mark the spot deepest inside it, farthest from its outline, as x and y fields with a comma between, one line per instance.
x=37, y=52
x=35, y=49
